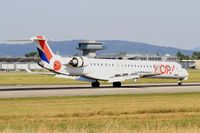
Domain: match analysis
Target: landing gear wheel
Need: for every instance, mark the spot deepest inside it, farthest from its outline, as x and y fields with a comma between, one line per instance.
x=117, y=84
x=180, y=83
x=95, y=84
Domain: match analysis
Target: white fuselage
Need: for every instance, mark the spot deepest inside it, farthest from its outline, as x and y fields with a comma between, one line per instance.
x=105, y=69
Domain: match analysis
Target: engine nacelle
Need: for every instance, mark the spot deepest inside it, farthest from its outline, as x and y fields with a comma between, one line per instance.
x=79, y=61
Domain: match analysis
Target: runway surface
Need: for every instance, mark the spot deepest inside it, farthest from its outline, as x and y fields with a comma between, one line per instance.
x=86, y=90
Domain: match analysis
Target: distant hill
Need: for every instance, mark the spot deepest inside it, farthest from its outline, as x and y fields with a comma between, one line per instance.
x=112, y=46
x=196, y=49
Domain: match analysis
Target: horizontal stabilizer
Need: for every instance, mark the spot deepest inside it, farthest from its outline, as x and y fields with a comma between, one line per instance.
x=20, y=40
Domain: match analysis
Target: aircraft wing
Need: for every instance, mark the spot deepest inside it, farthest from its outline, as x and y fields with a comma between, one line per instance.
x=119, y=78
x=149, y=75
x=123, y=77
x=80, y=78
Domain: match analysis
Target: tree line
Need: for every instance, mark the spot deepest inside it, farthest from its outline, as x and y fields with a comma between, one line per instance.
x=194, y=56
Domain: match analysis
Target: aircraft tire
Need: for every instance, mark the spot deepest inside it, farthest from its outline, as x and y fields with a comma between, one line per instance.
x=180, y=83
x=95, y=84
x=117, y=84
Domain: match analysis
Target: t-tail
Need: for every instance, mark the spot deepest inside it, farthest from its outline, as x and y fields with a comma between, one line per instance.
x=44, y=51
x=49, y=60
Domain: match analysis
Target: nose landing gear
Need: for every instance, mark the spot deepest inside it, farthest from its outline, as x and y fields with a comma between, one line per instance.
x=180, y=82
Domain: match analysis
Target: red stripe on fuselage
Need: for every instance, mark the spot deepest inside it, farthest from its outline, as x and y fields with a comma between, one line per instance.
x=45, y=49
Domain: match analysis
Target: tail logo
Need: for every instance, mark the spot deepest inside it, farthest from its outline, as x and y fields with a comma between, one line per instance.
x=57, y=65
x=44, y=51
x=43, y=56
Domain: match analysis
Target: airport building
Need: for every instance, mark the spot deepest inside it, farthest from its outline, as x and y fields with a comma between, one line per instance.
x=194, y=64
x=143, y=57
x=89, y=48
x=19, y=64
x=197, y=64
x=152, y=57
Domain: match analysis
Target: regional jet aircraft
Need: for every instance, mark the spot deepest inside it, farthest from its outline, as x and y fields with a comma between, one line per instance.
x=112, y=70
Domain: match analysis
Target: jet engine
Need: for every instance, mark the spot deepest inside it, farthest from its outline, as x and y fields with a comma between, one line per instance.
x=79, y=61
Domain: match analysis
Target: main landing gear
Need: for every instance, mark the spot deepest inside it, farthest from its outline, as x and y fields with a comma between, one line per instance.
x=117, y=84
x=180, y=82
x=95, y=84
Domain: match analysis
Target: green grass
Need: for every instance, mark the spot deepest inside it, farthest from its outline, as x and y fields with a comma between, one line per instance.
x=17, y=78
x=120, y=113
x=20, y=78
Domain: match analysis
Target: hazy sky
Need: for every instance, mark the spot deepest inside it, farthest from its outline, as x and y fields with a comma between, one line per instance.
x=162, y=22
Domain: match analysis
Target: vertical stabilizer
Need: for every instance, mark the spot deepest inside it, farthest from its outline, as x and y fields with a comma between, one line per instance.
x=45, y=52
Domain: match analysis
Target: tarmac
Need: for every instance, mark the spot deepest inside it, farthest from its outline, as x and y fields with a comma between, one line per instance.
x=20, y=91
